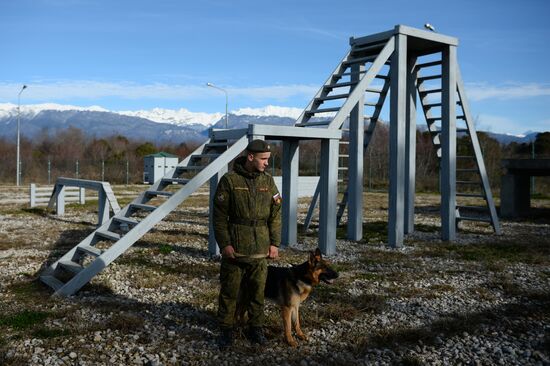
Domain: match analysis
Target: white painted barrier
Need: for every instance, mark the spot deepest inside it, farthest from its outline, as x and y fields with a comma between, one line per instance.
x=306, y=185
x=40, y=196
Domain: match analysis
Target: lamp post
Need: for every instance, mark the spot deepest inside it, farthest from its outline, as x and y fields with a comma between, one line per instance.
x=18, y=169
x=225, y=91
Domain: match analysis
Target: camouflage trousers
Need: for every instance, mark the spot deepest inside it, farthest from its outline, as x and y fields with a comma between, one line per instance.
x=249, y=276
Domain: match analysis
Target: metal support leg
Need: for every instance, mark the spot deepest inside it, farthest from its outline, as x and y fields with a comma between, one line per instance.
x=328, y=192
x=213, y=248
x=398, y=116
x=355, y=172
x=448, y=144
x=290, y=192
x=410, y=147
x=103, y=207
x=60, y=201
x=33, y=195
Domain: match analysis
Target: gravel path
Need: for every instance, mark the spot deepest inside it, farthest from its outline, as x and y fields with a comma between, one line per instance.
x=429, y=303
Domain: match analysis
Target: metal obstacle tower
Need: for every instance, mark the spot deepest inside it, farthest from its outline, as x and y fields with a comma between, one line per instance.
x=395, y=59
x=410, y=62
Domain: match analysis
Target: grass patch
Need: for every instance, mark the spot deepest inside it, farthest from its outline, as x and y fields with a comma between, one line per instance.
x=165, y=249
x=30, y=291
x=23, y=320
x=47, y=333
x=125, y=322
x=534, y=252
x=334, y=304
x=374, y=257
x=198, y=270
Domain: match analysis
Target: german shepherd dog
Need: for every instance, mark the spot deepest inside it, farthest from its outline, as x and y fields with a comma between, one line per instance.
x=290, y=286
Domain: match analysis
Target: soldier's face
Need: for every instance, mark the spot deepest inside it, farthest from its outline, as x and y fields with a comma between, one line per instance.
x=259, y=161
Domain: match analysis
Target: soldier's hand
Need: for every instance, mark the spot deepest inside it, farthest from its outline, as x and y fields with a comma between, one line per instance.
x=273, y=252
x=228, y=252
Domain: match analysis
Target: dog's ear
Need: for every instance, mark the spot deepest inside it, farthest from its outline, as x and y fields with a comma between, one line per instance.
x=318, y=255
x=312, y=259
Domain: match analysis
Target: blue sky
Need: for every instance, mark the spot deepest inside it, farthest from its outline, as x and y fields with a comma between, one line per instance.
x=132, y=55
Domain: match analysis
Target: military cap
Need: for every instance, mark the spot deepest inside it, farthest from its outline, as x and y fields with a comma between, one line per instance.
x=258, y=146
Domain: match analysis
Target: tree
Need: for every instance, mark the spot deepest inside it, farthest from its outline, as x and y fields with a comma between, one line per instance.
x=144, y=149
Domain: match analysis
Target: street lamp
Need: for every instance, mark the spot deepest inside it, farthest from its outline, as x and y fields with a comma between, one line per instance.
x=18, y=169
x=225, y=91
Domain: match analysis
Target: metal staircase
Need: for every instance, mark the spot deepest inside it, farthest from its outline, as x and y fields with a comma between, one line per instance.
x=472, y=180
x=78, y=266
x=355, y=73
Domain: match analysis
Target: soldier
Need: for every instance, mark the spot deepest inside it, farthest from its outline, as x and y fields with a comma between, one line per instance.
x=247, y=226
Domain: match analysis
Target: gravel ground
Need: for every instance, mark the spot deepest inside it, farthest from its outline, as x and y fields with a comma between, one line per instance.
x=482, y=300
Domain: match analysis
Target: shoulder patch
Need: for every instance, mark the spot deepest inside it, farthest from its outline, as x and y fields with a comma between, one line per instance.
x=277, y=199
x=221, y=197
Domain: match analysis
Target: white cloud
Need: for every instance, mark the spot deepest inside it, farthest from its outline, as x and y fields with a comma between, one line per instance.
x=500, y=124
x=79, y=89
x=270, y=110
x=483, y=91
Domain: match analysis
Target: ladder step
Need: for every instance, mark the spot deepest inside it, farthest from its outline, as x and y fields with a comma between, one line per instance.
x=368, y=47
x=216, y=144
x=343, y=156
x=159, y=193
x=204, y=156
x=428, y=64
x=343, y=168
x=470, y=195
x=430, y=105
x=480, y=208
x=433, y=119
x=142, y=206
x=175, y=180
x=189, y=167
x=430, y=77
x=372, y=90
x=125, y=220
x=429, y=91
x=373, y=104
x=52, y=282
x=71, y=266
x=88, y=249
x=318, y=123
x=340, y=85
x=108, y=235
x=323, y=110
x=360, y=60
x=467, y=218
x=332, y=97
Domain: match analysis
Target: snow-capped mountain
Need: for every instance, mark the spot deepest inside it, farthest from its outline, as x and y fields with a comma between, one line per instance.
x=154, y=125
x=8, y=110
x=177, y=117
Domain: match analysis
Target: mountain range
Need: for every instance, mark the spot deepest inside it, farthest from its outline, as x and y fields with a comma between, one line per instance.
x=159, y=125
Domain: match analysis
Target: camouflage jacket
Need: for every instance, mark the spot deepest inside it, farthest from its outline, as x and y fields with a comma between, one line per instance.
x=241, y=198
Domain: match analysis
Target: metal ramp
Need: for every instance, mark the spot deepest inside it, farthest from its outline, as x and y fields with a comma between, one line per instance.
x=472, y=180
x=78, y=266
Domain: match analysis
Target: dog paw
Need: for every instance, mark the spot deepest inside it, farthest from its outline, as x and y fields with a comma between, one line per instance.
x=292, y=343
x=302, y=336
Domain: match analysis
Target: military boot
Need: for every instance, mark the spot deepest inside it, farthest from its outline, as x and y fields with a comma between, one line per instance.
x=226, y=338
x=256, y=335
